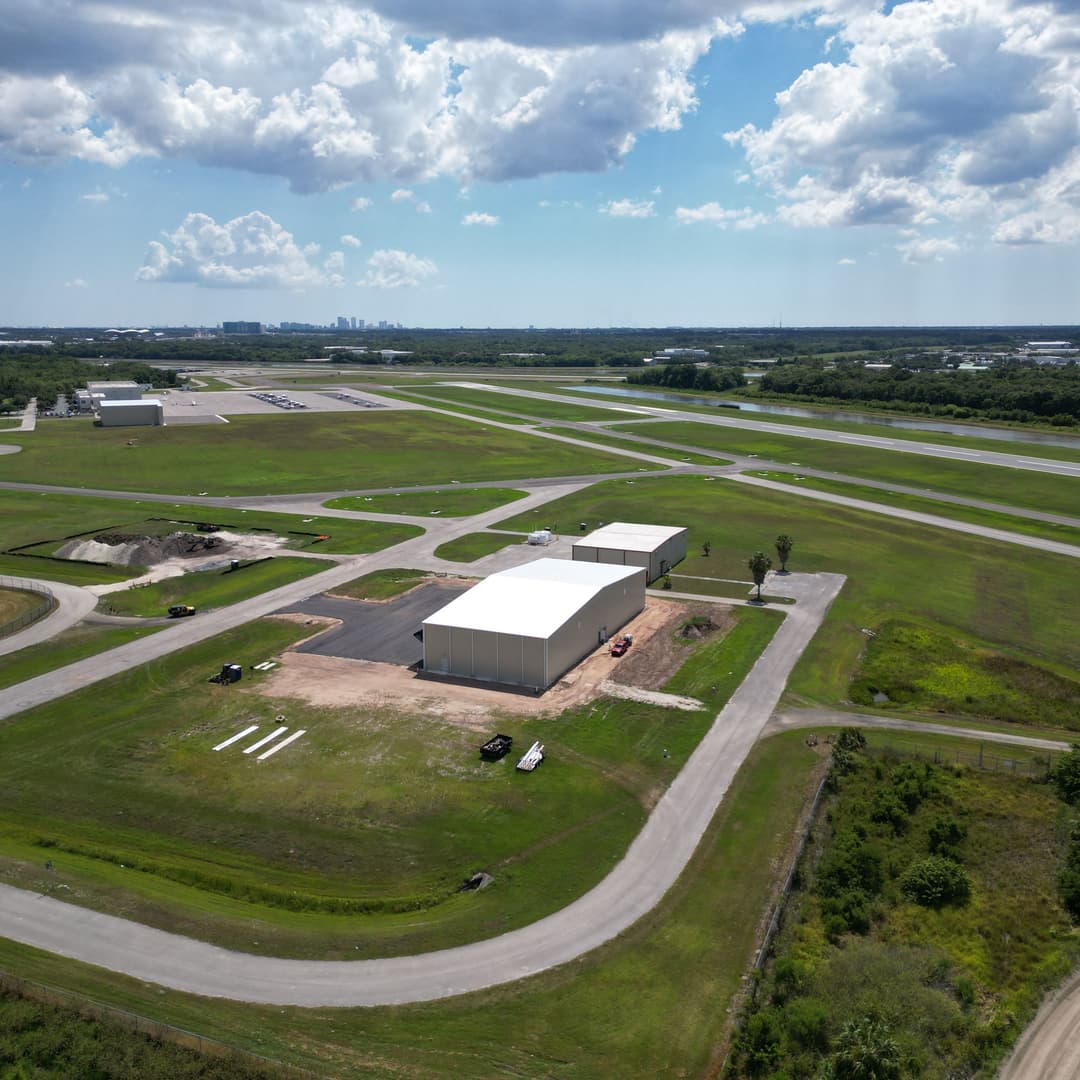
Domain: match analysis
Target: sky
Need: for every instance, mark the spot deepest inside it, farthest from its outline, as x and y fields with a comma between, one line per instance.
x=560, y=163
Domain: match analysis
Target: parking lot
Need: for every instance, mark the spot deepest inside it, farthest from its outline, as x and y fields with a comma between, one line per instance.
x=195, y=406
x=379, y=632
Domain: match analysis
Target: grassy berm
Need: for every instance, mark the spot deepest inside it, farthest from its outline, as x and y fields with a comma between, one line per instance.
x=924, y=930
x=918, y=668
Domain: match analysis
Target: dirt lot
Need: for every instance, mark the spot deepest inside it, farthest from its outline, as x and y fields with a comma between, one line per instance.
x=331, y=681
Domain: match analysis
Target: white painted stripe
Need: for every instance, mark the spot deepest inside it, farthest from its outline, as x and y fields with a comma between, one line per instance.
x=263, y=741
x=281, y=745
x=237, y=737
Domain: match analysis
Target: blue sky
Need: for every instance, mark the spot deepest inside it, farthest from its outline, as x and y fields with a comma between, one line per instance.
x=571, y=163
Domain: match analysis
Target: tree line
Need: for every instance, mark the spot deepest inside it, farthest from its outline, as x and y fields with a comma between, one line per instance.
x=1008, y=391
x=24, y=377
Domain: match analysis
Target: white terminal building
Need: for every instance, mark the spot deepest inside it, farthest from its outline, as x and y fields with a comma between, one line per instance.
x=528, y=626
x=655, y=548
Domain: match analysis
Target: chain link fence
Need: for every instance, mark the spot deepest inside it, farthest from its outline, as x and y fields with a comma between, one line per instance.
x=39, y=610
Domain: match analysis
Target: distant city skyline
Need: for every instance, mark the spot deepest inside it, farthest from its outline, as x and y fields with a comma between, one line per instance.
x=694, y=163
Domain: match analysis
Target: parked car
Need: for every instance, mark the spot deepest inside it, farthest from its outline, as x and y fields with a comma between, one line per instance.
x=179, y=610
x=621, y=644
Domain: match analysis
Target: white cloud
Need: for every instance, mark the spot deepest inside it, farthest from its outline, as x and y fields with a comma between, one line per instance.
x=845, y=262
x=479, y=218
x=712, y=213
x=95, y=197
x=250, y=252
x=631, y=208
x=401, y=195
x=76, y=283
x=361, y=202
x=328, y=95
x=350, y=241
x=932, y=110
x=423, y=207
x=392, y=269
x=926, y=249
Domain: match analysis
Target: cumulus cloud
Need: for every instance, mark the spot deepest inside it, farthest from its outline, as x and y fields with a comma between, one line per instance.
x=361, y=202
x=76, y=283
x=712, y=213
x=845, y=262
x=479, y=218
x=401, y=195
x=249, y=252
x=328, y=95
x=95, y=197
x=423, y=207
x=932, y=110
x=926, y=249
x=631, y=208
x=349, y=240
x=393, y=269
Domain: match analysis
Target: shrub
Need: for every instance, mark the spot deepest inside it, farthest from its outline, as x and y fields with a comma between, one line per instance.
x=944, y=836
x=865, y=1050
x=1067, y=776
x=936, y=881
x=888, y=809
x=806, y=1021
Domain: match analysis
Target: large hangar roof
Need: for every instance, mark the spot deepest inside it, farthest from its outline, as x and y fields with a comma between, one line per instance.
x=533, y=600
x=627, y=536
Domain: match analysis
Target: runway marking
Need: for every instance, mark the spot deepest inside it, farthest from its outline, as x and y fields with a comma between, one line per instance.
x=265, y=739
x=281, y=745
x=237, y=737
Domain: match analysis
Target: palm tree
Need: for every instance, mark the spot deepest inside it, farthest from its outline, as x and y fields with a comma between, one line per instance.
x=784, y=544
x=760, y=564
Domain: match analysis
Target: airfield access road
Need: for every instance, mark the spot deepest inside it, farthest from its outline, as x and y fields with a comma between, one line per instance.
x=73, y=604
x=635, y=885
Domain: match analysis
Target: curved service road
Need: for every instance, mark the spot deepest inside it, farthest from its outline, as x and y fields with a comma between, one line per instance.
x=651, y=865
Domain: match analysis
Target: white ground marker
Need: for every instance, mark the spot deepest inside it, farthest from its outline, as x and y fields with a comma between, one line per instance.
x=281, y=745
x=237, y=737
x=264, y=740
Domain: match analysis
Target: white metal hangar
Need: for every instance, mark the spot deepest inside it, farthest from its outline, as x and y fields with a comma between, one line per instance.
x=141, y=412
x=529, y=625
x=656, y=548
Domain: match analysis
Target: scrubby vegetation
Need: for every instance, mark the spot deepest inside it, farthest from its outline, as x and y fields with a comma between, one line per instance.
x=923, y=929
x=46, y=377
x=915, y=667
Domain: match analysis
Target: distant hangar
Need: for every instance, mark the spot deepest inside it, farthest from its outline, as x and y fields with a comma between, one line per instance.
x=529, y=625
x=655, y=548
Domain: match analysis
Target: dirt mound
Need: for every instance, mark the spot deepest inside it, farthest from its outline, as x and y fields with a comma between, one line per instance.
x=126, y=549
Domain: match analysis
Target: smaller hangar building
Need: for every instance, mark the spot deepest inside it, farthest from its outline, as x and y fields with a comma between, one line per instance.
x=142, y=412
x=656, y=548
x=529, y=625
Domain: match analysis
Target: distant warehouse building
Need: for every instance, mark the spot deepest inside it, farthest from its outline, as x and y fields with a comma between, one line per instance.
x=528, y=626
x=114, y=391
x=143, y=412
x=655, y=548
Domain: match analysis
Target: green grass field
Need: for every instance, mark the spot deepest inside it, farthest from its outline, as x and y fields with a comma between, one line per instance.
x=16, y=603
x=1011, y=487
x=650, y=1004
x=977, y=589
x=77, y=643
x=262, y=455
x=331, y=848
x=381, y=584
x=1067, y=534
x=210, y=589
x=473, y=546
x=451, y=502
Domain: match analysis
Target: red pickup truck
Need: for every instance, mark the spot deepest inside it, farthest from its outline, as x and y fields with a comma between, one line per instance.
x=621, y=644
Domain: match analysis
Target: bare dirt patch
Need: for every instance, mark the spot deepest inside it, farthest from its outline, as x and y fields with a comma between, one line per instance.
x=336, y=682
x=661, y=654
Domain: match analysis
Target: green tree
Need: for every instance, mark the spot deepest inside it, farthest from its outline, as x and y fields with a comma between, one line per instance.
x=784, y=544
x=1067, y=776
x=760, y=564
